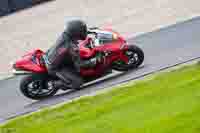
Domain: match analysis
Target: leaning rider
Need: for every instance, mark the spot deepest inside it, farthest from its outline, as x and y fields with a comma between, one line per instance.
x=66, y=50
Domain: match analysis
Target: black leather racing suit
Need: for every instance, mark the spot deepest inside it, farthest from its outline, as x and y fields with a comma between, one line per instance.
x=63, y=60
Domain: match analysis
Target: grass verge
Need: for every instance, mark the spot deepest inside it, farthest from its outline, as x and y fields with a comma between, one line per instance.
x=166, y=103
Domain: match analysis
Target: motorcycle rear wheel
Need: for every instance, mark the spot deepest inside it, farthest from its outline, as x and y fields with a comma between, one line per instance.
x=37, y=87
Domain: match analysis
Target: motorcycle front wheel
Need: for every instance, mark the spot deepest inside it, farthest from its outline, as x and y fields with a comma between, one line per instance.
x=37, y=87
x=135, y=59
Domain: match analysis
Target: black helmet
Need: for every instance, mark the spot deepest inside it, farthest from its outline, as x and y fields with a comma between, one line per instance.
x=76, y=29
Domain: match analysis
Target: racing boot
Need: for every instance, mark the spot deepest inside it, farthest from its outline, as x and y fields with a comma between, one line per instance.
x=70, y=79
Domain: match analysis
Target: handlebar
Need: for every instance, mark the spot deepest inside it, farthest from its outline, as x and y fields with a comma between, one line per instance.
x=92, y=30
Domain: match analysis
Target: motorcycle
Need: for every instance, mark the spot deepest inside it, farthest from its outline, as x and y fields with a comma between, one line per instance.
x=115, y=53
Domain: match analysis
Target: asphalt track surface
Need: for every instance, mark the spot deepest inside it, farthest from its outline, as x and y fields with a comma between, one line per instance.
x=163, y=48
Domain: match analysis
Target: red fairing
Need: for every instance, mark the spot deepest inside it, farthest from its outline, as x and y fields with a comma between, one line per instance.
x=30, y=62
x=116, y=48
x=85, y=52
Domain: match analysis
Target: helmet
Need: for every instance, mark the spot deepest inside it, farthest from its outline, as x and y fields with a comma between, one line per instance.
x=76, y=29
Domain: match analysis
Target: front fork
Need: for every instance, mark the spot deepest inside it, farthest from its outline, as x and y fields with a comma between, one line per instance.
x=122, y=56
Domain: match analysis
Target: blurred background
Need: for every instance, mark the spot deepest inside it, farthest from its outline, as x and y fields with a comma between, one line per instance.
x=10, y=6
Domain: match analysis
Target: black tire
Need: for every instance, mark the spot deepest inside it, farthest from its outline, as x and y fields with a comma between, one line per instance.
x=27, y=80
x=140, y=53
x=125, y=67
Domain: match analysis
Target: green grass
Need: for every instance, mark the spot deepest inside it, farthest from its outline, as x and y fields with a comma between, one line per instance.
x=167, y=103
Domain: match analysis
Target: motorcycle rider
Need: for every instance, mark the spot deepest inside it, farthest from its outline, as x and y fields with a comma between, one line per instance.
x=63, y=59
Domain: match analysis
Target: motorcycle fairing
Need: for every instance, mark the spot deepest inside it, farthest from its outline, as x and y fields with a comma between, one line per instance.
x=31, y=62
x=114, y=49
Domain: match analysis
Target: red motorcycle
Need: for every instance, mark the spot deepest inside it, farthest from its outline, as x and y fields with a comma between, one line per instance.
x=113, y=49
